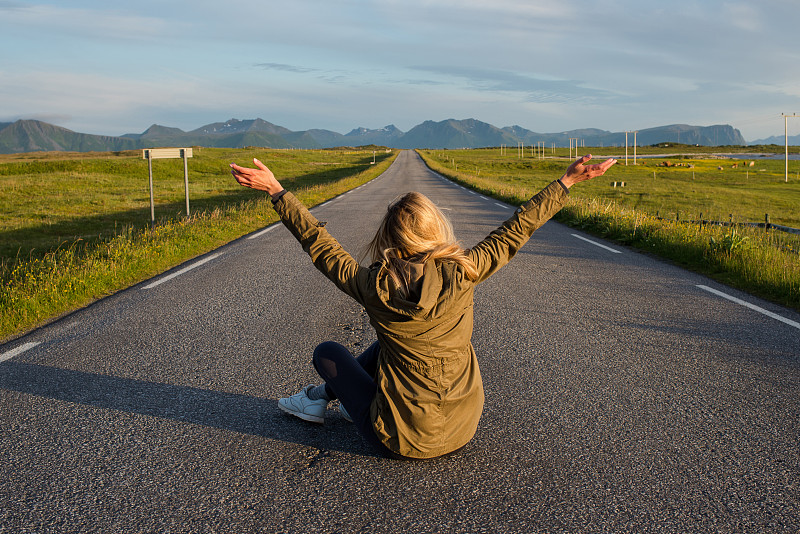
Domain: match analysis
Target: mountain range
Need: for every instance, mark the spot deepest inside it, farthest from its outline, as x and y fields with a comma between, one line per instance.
x=792, y=140
x=32, y=136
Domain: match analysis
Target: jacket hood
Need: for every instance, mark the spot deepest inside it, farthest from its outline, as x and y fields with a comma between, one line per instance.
x=425, y=298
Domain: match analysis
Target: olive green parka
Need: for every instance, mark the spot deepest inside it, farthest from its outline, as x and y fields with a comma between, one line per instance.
x=430, y=393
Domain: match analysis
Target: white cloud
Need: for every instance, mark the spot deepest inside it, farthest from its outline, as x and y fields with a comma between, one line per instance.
x=336, y=64
x=746, y=17
x=530, y=88
x=471, y=8
x=83, y=23
x=93, y=98
x=286, y=68
x=52, y=118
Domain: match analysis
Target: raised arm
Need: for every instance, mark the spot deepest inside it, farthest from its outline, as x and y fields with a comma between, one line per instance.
x=326, y=253
x=502, y=244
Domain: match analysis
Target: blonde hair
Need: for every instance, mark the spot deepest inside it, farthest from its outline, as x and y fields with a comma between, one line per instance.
x=415, y=230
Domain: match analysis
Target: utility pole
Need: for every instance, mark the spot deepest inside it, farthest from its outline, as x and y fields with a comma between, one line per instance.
x=626, y=148
x=786, y=141
x=634, y=146
x=573, y=141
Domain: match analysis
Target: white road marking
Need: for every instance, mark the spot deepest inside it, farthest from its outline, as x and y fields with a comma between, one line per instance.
x=751, y=306
x=16, y=352
x=262, y=232
x=501, y=205
x=595, y=243
x=182, y=271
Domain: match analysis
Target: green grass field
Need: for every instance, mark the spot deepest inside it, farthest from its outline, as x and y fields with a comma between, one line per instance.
x=653, y=210
x=76, y=227
x=55, y=199
x=695, y=187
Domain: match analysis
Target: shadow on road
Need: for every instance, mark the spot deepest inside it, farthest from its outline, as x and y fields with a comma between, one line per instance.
x=227, y=411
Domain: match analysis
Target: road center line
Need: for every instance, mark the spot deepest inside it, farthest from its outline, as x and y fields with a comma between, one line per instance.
x=182, y=271
x=264, y=231
x=17, y=351
x=595, y=243
x=501, y=205
x=751, y=306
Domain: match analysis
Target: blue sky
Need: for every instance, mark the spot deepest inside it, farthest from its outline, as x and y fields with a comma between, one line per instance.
x=117, y=67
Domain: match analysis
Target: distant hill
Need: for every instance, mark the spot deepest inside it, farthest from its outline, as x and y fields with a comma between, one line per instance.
x=386, y=136
x=719, y=135
x=231, y=134
x=31, y=136
x=156, y=131
x=793, y=140
x=677, y=133
x=315, y=139
x=36, y=136
x=451, y=133
x=235, y=126
x=471, y=133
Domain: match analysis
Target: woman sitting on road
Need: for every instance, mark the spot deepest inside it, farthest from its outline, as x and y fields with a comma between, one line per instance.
x=417, y=392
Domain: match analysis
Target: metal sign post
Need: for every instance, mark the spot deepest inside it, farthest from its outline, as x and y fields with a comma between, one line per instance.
x=165, y=153
x=152, y=206
x=786, y=140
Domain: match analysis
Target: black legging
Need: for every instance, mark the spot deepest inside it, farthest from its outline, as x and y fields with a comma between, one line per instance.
x=351, y=380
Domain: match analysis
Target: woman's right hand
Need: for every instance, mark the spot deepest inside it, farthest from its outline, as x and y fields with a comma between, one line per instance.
x=260, y=178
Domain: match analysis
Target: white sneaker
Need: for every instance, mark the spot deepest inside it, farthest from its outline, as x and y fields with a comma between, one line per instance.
x=344, y=412
x=301, y=406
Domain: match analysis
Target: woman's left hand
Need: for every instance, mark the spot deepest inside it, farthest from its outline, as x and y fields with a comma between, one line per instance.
x=260, y=178
x=579, y=172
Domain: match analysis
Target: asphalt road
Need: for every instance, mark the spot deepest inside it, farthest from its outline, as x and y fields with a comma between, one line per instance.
x=620, y=396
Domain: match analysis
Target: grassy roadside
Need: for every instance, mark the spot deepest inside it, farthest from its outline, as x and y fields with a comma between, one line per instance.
x=762, y=263
x=77, y=228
